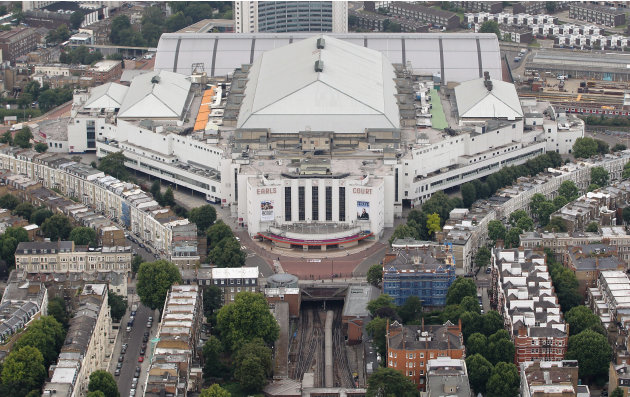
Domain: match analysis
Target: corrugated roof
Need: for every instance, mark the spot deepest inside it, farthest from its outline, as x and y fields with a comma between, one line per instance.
x=354, y=91
x=456, y=56
x=474, y=100
x=159, y=94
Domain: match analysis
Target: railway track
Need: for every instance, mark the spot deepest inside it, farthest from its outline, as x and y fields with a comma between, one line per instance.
x=342, y=371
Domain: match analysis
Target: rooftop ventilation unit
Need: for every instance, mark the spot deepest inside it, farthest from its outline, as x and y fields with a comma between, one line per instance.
x=155, y=79
x=321, y=42
x=319, y=66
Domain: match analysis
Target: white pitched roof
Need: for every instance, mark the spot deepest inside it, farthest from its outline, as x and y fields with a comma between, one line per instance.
x=475, y=101
x=158, y=94
x=234, y=272
x=106, y=96
x=354, y=91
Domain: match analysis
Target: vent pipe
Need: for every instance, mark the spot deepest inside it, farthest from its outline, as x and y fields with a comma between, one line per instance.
x=319, y=66
x=321, y=42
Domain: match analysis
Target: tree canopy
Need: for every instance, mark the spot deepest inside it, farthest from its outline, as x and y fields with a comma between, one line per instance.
x=581, y=318
x=375, y=274
x=23, y=371
x=491, y=27
x=246, y=318
x=154, y=281
x=584, y=147
x=57, y=227
x=40, y=215
x=215, y=391
x=479, y=371
x=599, y=176
x=592, y=351
x=47, y=335
x=203, y=217
x=377, y=329
x=227, y=253
x=212, y=349
x=459, y=289
x=482, y=257
x=84, y=236
x=379, y=303
x=114, y=164
x=496, y=230
x=105, y=382
x=23, y=137
x=390, y=382
x=117, y=305
x=569, y=190
x=253, y=365
x=504, y=381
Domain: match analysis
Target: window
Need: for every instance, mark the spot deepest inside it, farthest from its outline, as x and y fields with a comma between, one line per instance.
x=287, y=203
x=315, y=203
x=328, y=203
x=301, y=209
x=342, y=204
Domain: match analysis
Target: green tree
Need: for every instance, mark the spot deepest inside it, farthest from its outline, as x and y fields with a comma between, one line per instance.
x=390, y=382
x=121, y=30
x=593, y=187
x=253, y=365
x=496, y=230
x=215, y=391
x=168, y=198
x=218, y=232
x=382, y=301
x=490, y=27
x=403, y=231
x=546, y=209
x=581, y=318
x=47, y=335
x=22, y=138
x=155, y=187
x=212, y=297
x=626, y=215
x=525, y=224
x=617, y=392
x=246, y=318
x=227, y=253
x=618, y=147
x=479, y=371
x=559, y=202
x=433, y=224
x=103, y=381
x=512, y=238
x=23, y=371
x=411, y=310
x=459, y=289
x=203, y=217
x=76, y=19
x=114, y=164
x=557, y=224
x=377, y=328
x=592, y=227
x=84, y=236
x=24, y=210
x=599, y=176
x=7, y=137
x=136, y=261
x=57, y=309
x=516, y=216
x=536, y=201
x=482, y=258
x=602, y=147
x=469, y=194
x=500, y=348
x=569, y=190
x=117, y=305
x=584, y=147
x=41, y=147
x=375, y=274
x=9, y=202
x=504, y=381
x=592, y=351
x=96, y=393
x=212, y=349
x=154, y=281
x=477, y=343
x=57, y=227
x=40, y=215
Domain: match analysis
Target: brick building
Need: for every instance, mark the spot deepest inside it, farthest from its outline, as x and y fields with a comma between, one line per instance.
x=436, y=17
x=104, y=71
x=231, y=281
x=17, y=42
x=587, y=261
x=607, y=16
x=409, y=348
x=476, y=6
x=376, y=22
x=551, y=379
x=527, y=301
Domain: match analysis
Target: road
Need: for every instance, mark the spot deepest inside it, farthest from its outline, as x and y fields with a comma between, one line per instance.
x=134, y=342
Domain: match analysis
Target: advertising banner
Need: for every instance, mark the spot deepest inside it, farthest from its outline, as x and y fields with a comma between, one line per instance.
x=363, y=210
x=266, y=211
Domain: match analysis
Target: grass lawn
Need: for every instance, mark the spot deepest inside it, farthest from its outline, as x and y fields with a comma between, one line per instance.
x=438, y=118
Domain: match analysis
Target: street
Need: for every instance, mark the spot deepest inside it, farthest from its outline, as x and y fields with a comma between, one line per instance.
x=134, y=344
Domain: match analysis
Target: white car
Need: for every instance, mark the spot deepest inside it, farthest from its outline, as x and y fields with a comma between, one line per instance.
x=132, y=393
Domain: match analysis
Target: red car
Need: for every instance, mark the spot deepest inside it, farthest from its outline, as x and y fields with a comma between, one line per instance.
x=140, y=359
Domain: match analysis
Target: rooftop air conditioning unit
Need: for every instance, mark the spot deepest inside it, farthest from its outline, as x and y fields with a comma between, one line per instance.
x=319, y=66
x=321, y=42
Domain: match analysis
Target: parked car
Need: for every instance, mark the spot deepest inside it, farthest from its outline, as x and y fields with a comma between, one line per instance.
x=488, y=270
x=149, y=324
x=128, y=329
x=140, y=359
x=132, y=393
x=134, y=383
x=117, y=372
x=150, y=318
x=145, y=339
x=144, y=345
x=119, y=365
x=137, y=372
x=121, y=358
x=142, y=351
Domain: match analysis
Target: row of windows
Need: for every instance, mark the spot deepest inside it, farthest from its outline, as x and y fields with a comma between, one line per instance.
x=314, y=203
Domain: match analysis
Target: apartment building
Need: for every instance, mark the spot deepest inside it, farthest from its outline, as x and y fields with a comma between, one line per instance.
x=231, y=281
x=291, y=16
x=551, y=379
x=409, y=348
x=447, y=376
x=120, y=202
x=477, y=6
x=17, y=42
x=425, y=271
x=65, y=256
x=610, y=299
x=526, y=299
x=104, y=71
x=588, y=261
x=171, y=370
x=22, y=302
x=84, y=350
x=516, y=34
x=619, y=377
x=436, y=17
x=376, y=22
x=601, y=15
x=507, y=18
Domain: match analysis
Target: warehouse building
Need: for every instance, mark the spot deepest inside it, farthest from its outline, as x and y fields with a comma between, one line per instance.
x=611, y=67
